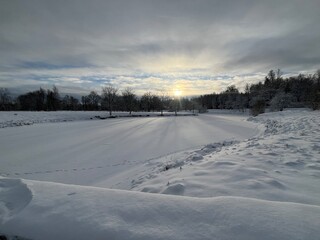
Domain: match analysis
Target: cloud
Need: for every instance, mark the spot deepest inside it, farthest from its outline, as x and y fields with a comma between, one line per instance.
x=201, y=46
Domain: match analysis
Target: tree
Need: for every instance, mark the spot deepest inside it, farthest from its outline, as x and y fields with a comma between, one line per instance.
x=27, y=102
x=164, y=101
x=84, y=102
x=109, y=96
x=271, y=76
x=232, y=89
x=93, y=100
x=34, y=101
x=258, y=106
x=155, y=103
x=53, y=99
x=5, y=99
x=146, y=101
x=315, y=92
x=280, y=101
x=186, y=104
x=318, y=77
x=129, y=99
x=232, y=94
x=40, y=100
x=70, y=103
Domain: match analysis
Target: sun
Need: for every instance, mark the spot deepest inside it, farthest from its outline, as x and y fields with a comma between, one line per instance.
x=177, y=93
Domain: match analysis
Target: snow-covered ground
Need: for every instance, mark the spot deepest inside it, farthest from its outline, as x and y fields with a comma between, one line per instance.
x=93, y=152
x=283, y=164
x=245, y=181
x=22, y=118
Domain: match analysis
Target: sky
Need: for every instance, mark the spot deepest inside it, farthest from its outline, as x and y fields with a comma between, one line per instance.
x=194, y=46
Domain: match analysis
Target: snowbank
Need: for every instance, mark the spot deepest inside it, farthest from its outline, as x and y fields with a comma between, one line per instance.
x=42, y=210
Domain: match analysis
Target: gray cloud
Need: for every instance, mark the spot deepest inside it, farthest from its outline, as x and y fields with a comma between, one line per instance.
x=174, y=41
x=294, y=51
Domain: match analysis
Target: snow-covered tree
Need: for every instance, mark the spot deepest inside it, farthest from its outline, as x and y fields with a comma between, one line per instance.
x=280, y=101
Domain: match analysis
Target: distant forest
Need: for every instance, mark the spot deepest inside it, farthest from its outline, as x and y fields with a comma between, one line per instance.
x=275, y=92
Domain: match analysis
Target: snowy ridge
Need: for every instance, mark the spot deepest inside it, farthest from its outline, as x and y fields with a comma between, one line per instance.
x=59, y=211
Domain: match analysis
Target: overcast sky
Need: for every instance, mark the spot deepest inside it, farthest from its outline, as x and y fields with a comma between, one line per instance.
x=196, y=46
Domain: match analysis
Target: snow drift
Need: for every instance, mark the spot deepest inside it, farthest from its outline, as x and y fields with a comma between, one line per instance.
x=43, y=210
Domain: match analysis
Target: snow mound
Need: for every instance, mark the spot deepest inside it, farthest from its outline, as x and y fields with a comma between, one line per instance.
x=59, y=211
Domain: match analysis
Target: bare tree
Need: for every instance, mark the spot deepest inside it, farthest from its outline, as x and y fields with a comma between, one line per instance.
x=109, y=95
x=146, y=101
x=91, y=101
x=129, y=98
x=164, y=100
x=94, y=100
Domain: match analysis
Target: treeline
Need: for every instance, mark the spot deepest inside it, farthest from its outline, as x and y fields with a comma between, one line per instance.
x=275, y=93
x=40, y=100
x=111, y=99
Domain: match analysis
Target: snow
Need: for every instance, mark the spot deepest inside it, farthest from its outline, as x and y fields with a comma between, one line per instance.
x=212, y=176
x=22, y=118
x=93, y=152
x=58, y=211
x=283, y=164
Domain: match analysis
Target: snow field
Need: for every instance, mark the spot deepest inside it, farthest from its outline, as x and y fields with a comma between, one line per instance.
x=94, y=152
x=264, y=187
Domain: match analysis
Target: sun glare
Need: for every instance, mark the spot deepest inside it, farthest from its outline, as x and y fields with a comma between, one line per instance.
x=177, y=93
